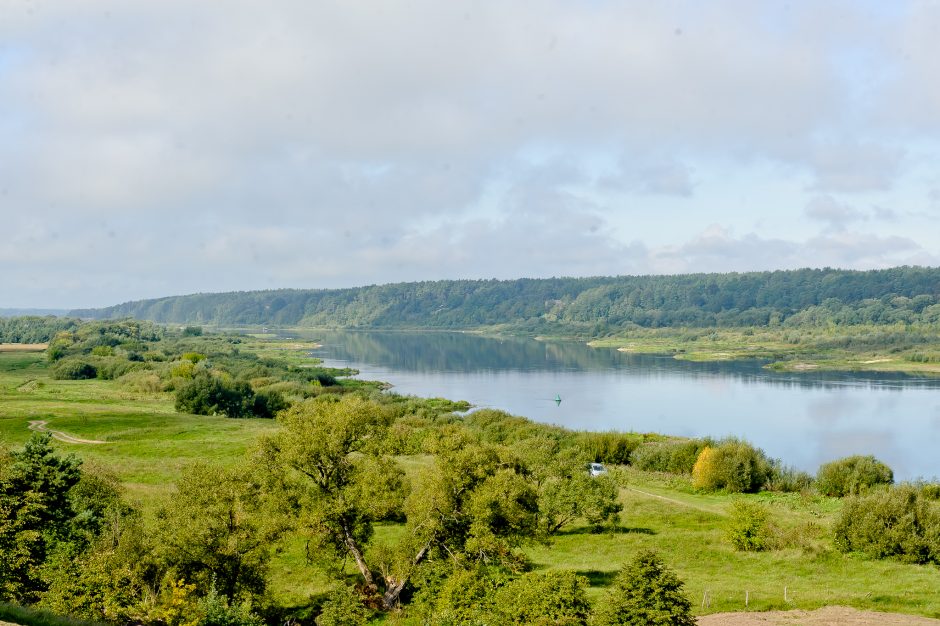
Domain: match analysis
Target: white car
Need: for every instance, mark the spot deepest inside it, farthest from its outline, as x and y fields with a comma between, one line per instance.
x=596, y=469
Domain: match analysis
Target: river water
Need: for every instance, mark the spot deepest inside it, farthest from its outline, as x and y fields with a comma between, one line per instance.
x=803, y=418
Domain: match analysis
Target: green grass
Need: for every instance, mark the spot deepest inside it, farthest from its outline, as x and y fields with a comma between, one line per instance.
x=856, y=348
x=149, y=443
x=35, y=617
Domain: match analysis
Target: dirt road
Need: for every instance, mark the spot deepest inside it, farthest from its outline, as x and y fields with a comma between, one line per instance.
x=40, y=427
x=827, y=616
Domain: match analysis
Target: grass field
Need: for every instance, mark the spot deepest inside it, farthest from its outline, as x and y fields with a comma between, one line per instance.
x=856, y=348
x=148, y=444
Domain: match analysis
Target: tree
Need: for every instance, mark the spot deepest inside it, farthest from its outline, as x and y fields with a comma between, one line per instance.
x=646, y=593
x=472, y=505
x=215, y=532
x=35, y=512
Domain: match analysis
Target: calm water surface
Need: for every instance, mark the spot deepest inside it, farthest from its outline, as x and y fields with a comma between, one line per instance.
x=803, y=418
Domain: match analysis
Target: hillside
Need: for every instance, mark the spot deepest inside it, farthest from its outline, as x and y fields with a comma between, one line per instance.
x=595, y=306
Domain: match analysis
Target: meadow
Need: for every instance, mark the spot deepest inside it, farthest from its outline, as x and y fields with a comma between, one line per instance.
x=149, y=443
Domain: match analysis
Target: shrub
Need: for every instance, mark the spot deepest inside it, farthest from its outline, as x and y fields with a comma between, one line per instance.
x=852, y=475
x=733, y=465
x=610, y=447
x=748, y=527
x=218, y=611
x=267, y=403
x=343, y=608
x=646, y=593
x=674, y=457
x=141, y=382
x=207, y=395
x=544, y=598
x=895, y=522
x=788, y=479
x=74, y=369
x=102, y=351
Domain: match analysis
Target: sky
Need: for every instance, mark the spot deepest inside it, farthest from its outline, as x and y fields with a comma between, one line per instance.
x=162, y=147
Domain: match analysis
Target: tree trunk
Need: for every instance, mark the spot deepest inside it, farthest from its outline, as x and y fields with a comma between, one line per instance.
x=353, y=548
x=393, y=588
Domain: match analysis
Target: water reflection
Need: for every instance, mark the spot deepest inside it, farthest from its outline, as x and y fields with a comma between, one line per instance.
x=804, y=418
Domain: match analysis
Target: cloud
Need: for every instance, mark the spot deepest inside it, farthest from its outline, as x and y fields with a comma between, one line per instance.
x=665, y=176
x=837, y=215
x=165, y=146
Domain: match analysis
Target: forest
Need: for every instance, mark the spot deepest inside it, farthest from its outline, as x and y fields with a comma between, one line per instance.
x=592, y=307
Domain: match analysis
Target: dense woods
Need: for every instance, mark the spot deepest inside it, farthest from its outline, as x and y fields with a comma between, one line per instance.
x=593, y=306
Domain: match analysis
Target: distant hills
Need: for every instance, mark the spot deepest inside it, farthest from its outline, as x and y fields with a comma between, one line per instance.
x=595, y=306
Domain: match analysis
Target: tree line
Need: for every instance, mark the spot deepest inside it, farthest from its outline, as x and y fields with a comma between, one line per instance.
x=593, y=306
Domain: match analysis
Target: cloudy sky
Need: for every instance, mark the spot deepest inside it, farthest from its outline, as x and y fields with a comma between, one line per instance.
x=160, y=147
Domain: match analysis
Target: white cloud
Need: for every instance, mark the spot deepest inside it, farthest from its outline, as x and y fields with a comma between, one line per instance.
x=164, y=146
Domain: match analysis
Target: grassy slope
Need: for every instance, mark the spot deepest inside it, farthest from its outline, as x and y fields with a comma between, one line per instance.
x=150, y=443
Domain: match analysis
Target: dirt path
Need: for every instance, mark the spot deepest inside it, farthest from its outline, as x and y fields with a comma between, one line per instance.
x=690, y=505
x=826, y=616
x=40, y=427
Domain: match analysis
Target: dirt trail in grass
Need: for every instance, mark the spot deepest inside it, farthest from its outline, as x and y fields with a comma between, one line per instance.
x=690, y=505
x=826, y=616
x=40, y=427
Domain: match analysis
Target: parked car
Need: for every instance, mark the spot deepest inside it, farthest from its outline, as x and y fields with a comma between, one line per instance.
x=597, y=469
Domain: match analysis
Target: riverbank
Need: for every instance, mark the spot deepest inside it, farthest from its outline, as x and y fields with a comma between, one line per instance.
x=908, y=349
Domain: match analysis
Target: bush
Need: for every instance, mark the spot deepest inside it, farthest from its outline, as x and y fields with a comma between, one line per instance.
x=207, y=395
x=852, y=475
x=343, y=608
x=646, y=593
x=267, y=403
x=749, y=528
x=74, y=369
x=544, y=598
x=674, y=457
x=898, y=522
x=611, y=447
x=735, y=466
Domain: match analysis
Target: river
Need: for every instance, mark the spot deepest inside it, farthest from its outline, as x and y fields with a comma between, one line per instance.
x=803, y=418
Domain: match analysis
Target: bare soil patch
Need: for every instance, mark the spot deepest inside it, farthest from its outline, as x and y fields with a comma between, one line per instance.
x=826, y=616
x=40, y=427
x=23, y=347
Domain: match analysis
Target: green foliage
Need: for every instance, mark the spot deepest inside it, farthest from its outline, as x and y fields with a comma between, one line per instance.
x=268, y=403
x=206, y=394
x=749, y=527
x=74, y=369
x=35, y=512
x=733, y=465
x=899, y=522
x=646, y=593
x=343, y=607
x=674, y=457
x=218, y=611
x=554, y=598
x=852, y=475
x=595, y=306
x=215, y=532
x=33, y=329
x=611, y=447
x=28, y=616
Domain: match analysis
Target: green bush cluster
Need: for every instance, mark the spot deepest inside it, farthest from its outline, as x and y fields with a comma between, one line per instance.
x=749, y=528
x=900, y=522
x=852, y=475
x=733, y=465
x=74, y=369
x=674, y=457
x=646, y=593
x=610, y=447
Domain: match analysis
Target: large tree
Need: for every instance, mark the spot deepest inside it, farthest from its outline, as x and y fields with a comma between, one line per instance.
x=472, y=503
